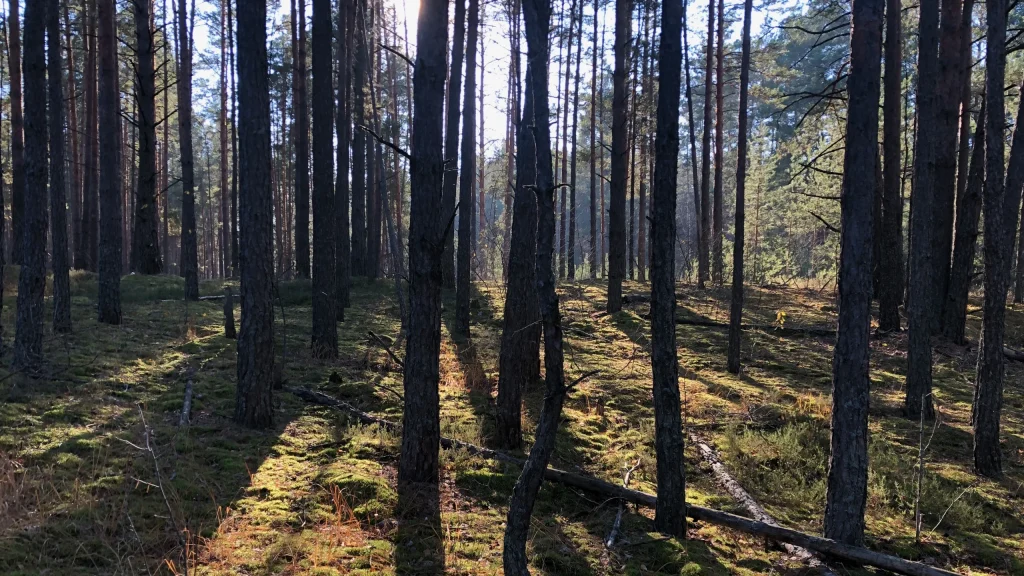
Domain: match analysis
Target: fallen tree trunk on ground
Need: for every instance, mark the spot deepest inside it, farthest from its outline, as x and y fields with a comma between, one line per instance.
x=589, y=483
x=752, y=507
x=1013, y=354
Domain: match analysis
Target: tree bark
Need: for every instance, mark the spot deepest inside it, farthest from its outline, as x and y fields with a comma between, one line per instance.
x=254, y=395
x=76, y=161
x=325, y=327
x=718, y=212
x=358, y=246
x=373, y=151
x=301, y=142
x=451, y=140
x=595, y=250
x=966, y=241
x=418, y=463
x=846, y=497
x=343, y=130
x=466, y=177
x=18, y=167
x=705, y=166
x=736, y=304
x=570, y=255
x=891, y=294
x=670, y=514
x=691, y=134
x=189, y=267
x=620, y=154
x=919, y=348
x=165, y=243
x=524, y=494
x=86, y=246
x=563, y=202
x=111, y=208
x=145, y=238
x=28, y=337
x=58, y=205
x=519, y=358
x=233, y=66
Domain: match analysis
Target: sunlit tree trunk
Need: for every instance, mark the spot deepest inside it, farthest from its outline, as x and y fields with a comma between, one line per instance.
x=189, y=267
x=620, y=151
x=705, y=165
x=467, y=211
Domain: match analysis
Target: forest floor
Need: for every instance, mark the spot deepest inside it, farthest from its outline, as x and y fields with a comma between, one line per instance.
x=96, y=476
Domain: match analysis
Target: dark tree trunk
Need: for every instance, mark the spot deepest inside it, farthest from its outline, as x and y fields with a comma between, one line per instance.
x=718, y=212
x=301, y=111
x=670, y=514
x=3, y=219
x=570, y=256
x=1002, y=207
x=563, y=201
x=28, y=337
x=224, y=237
x=165, y=244
x=85, y=245
x=466, y=177
x=343, y=129
x=374, y=155
x=254, y=396
x=232, y=67
x=595, y=251
x=846, y=497
x=736, y=305
x=949, y=93
x=524, y=494
x=691, y=133
x=109, y=100
x=76, y=161
x=58, y=206
x=189, y=267
x=451, y=138
x=358, y=244
x=705, y=165
x=418, y=463
x=966, y=241
x=17, y=133
x=891, y=227
x=325, y=327
x=919, y=347
x=520, y=336
x=145, y=238
x=620, y=155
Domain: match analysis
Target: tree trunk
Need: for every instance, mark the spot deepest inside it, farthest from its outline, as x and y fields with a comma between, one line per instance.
x=718, y=212
x=919, y=348
x=189, y=267
x=451, y=139
x=670, y=514
x=949, y=94
x=846, y=497
x=466, y=177
x=86, y=247
x=373, y=152
x=165, y=237
x=479, y=259
x=254, y=397
x=891, y=293
x=233, y=66
x=966, y=241
x=343, y=130
x=17, y=133
x=145, y=238
x=520, y=336
x=358, y=244
x=705, y=165
x=563, y=202
x=620, y=155
x=58, y=205
x=691, y=133
x=736, y=305
x=325, y=327
x=28, y=338
x=418, y=463
x=570, y=256
x=524, y=494
x=76, y=161
x=595, y=251
x=300, y=107
x=225, y=230
x=111, y=208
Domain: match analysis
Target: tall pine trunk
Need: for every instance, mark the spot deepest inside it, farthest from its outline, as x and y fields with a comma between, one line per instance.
x=145, y=254
x=17, y=133
x=919, y=348
x=463, y=284
x=28, y=337
x=891, y=289
x=670, y=513
x=570, y=256
x=451, y=138
x=358, y=245
x=691, y=134
x=224, y=237
x=255, y=364
x=109, y=99
x=718, y=212
x=620, y=150
x=76, y=160
x=300, y=105
x=705, y=165
x=58, y=205
x=343, y=129
x=595, y=250
x=325, y=327
x=189, y=267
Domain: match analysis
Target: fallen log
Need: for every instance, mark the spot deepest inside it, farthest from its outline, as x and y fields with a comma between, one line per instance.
x=726, y=481
x=1013, y=354
x=589, y=483
x=610, y=541
x=186, y=405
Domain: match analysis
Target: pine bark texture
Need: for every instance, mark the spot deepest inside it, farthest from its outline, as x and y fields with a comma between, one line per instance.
x=620, y=155
x=670, y=513
x=703, y=259
x=111, y=232
x=146, y=258
x=358, y=245
x=451, y=138
x=418, y=463
x=343, y=131
x=846, y=496
x=325, y=327
x=18, y=167
x=255, y=364
x=28, y=336
x=464, y=257
x=301, y=106
x=58, y=204
x=718, y=210
x=189, y=257
x=891, y=294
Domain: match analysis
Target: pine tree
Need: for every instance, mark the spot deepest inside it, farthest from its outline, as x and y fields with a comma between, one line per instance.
x=111, y=231
x=58, y=205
